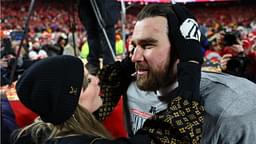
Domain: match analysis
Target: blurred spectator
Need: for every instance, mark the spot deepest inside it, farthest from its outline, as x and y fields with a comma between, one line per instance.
x=71, y=47
x=119, y=47
x=60, y=44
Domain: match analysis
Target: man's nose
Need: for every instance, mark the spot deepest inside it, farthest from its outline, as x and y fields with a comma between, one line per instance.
x=137, y=54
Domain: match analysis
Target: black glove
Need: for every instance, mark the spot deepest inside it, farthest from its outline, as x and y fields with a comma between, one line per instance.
x=127, y=66
x=189, y=76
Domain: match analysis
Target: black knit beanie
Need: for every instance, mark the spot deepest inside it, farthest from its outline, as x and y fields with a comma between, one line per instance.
x=51, y=87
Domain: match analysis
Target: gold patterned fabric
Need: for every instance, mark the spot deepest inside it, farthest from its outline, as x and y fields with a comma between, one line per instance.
x=180, y=123
x=111, y=89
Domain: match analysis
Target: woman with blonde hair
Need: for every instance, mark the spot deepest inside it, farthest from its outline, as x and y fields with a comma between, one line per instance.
x=62, y=92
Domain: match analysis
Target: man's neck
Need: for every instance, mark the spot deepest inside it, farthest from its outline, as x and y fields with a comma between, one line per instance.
x=167, y=89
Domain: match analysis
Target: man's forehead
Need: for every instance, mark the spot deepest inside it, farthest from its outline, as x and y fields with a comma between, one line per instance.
x=156, y=22
x=149, y=27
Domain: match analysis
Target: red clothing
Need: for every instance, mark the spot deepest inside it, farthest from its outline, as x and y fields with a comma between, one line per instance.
x=23, y=115
x=115, y=121
x=228, y=50
x=212, y=56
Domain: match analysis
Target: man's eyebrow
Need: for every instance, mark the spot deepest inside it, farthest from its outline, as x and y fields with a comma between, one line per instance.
x=143, y=41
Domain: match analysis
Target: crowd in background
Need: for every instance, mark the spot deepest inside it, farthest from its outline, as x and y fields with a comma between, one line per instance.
x=228, y=41
x=229, y=33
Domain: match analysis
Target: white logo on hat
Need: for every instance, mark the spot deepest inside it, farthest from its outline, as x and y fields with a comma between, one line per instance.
x=73, y=90
x=190, y=30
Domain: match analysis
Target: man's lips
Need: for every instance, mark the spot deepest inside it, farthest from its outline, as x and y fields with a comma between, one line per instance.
x=141, y=71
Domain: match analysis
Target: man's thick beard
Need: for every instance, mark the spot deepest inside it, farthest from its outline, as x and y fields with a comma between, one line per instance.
x=158, y=79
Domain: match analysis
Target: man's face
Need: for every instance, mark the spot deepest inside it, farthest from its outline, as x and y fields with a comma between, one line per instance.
x=152, y=53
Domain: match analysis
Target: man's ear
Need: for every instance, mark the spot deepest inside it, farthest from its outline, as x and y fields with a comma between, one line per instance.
x=175, y=67
x=177, y=62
